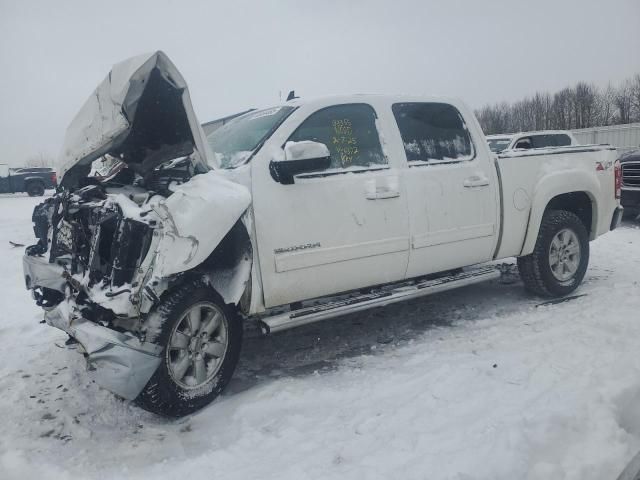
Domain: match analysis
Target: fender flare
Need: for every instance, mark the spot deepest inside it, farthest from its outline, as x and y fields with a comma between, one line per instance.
x=28, y=180
x=552, y=185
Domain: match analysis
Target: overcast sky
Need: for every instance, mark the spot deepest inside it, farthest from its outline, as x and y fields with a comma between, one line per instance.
x=240, y=54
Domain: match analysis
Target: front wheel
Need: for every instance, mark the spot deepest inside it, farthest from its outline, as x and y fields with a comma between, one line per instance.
x=560, y=258
x=201, y=336
x=35, y=189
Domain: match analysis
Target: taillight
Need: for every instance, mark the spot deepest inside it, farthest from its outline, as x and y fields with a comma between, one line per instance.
x=617, y=171
x=54, y=178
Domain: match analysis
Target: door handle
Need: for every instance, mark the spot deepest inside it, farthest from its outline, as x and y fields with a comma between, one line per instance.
x=382, y=194
x=476, y=181
x=380, y=188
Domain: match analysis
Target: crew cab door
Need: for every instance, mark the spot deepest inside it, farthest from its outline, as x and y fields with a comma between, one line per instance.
x=334, y=230
x=452, y=189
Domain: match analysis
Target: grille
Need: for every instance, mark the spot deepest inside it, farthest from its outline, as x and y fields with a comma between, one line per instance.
x=631, y=174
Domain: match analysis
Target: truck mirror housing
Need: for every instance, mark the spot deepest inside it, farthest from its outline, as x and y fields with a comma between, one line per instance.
x=300, y=157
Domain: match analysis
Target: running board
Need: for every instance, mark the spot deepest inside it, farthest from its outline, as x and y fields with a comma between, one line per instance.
x=378, y=298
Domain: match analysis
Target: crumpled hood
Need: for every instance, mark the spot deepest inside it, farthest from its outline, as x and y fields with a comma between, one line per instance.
x=140, y=113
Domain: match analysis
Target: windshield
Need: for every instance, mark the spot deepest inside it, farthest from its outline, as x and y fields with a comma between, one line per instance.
x=496, y=145
x=232, y=144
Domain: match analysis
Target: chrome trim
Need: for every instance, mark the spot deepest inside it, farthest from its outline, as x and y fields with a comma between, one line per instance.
x=627, y=168
x=379, y=298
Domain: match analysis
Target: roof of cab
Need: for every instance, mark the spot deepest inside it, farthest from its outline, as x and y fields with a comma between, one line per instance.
x=367, y=97
x=526, y=134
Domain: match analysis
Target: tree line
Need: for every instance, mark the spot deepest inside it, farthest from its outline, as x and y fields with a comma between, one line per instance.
x=580, y=106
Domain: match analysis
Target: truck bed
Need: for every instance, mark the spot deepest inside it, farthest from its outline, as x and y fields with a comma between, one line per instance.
x=529, y=179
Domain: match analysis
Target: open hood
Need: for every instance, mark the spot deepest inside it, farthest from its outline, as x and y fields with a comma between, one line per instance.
x=141, y=113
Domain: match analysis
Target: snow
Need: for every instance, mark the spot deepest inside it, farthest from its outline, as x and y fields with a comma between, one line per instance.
x=305, y=150
x=486, y=382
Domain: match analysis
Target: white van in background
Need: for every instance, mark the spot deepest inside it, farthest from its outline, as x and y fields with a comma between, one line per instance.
x=528, y=140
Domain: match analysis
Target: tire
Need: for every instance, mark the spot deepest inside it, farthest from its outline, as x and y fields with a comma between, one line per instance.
x=540, y=272
x=35, y=189
x=175, y=390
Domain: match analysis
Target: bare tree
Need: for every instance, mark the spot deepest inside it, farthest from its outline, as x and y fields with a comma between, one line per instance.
x=623, y=102
x=580, y=106
x=635, y=98
x=606, y=107
x=585, y=104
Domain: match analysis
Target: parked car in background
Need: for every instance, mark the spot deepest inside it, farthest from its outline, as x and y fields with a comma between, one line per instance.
x=528, y=140
x=630, y=200
x=282, y=217
x=34, y=181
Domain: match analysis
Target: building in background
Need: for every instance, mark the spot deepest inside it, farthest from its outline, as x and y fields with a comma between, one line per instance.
x=624, y=137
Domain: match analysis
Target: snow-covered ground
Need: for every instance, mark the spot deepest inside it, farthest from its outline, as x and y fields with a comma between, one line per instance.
x=480, y=383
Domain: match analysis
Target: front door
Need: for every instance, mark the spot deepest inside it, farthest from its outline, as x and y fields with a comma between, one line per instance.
x=336, y=230
x=452, y=189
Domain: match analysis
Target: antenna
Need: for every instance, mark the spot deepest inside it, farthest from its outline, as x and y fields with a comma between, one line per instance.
x=292, y=95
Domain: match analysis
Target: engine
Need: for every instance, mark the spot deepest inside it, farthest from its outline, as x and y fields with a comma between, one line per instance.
x=98, y=236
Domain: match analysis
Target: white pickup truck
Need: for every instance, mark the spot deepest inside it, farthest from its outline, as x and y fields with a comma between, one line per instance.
x=284, y=216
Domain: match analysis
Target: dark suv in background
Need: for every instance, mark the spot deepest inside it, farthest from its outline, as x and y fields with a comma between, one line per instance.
x=631, y=182
x=34, y=180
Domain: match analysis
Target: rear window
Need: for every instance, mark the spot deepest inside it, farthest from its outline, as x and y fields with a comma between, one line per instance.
x=433, y=132
x=550, y=140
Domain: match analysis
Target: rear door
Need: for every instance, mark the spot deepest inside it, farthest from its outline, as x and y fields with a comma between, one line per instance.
x=452, y=189
x=336, y=230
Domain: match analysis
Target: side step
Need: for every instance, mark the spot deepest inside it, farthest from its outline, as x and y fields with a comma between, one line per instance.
x=378, y=298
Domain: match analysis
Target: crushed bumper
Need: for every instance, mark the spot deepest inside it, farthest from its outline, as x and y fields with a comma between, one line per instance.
x=117, y=361
x=40, y=273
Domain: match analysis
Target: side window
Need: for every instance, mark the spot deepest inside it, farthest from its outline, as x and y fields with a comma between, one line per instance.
x=433, y=132
x=550, y=140
x=523, y=143
x=349, y=132
x=542, y=141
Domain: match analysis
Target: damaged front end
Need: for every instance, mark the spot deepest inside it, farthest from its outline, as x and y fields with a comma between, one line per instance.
x=138, y=210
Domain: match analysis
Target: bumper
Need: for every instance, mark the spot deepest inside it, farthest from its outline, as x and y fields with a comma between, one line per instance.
x=616, y=218
x=630, y=200
x=40, y=273
x=117, y=361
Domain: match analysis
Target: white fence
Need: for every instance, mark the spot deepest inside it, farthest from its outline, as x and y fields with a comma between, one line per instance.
x=624, y=137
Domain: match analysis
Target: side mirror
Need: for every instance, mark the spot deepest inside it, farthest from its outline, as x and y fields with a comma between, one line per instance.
x=300, y=157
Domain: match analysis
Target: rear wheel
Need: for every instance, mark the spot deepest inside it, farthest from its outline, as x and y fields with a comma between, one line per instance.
x=35, y=189
x=560, y=258
x=201, y=338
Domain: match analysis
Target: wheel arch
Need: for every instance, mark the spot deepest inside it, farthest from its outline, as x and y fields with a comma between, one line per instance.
x=575, y=191
x=33, y=180
x=228, y=267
